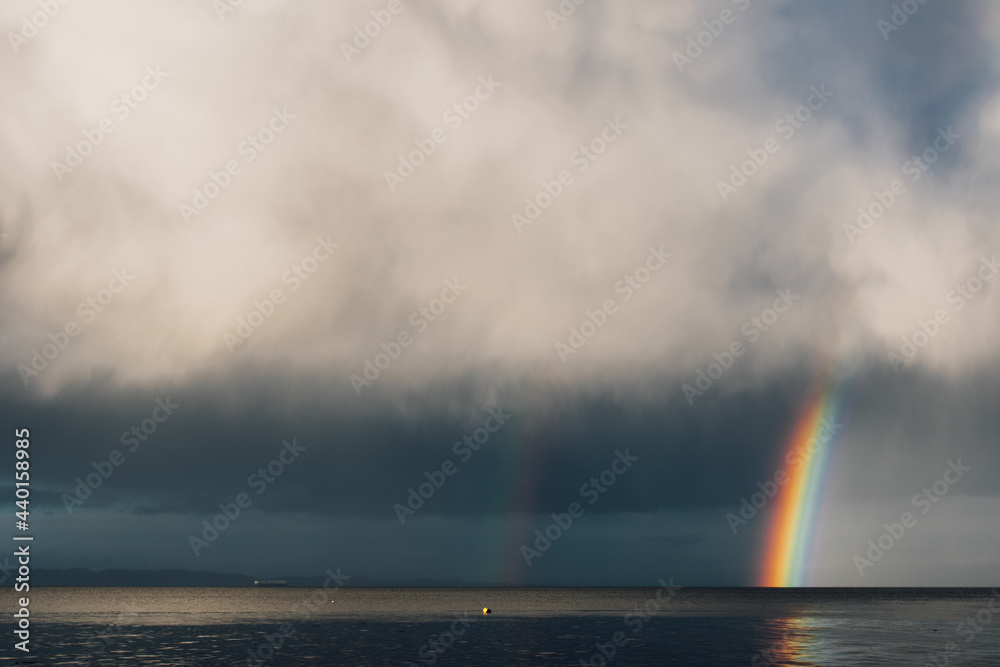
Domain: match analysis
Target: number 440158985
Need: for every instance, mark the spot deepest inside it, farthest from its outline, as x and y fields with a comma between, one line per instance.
x=21, y=475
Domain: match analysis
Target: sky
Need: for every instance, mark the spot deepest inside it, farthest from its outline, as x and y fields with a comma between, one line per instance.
x=495, y=248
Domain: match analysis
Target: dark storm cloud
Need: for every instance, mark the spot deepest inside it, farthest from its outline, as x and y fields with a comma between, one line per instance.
x=362, y=462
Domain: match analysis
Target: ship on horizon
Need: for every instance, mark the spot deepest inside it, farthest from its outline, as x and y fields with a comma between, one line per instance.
x=270, y=582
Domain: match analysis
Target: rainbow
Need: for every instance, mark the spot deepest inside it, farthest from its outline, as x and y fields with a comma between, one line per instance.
x=791, y=533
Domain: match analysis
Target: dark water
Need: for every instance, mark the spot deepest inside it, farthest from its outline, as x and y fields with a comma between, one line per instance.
x=538, y=626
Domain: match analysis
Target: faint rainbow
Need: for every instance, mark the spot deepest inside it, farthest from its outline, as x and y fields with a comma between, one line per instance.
x=791, y=533
x=514, y=490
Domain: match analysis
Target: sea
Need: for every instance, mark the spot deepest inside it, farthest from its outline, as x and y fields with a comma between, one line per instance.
x=668, y=625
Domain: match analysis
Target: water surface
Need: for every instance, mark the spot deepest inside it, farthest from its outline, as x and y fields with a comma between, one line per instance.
x=528, y=626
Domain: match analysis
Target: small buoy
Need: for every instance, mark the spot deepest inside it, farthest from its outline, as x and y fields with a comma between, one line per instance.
x=486, y=610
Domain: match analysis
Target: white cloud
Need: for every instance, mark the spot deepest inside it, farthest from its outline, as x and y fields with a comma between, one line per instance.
x=324, y=175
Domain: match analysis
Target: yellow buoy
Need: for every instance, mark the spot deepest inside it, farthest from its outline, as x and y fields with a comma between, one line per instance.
x=486, y=610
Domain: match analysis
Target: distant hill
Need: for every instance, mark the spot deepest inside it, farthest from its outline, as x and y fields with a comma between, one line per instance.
x=179, y=578
x=81, y=577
